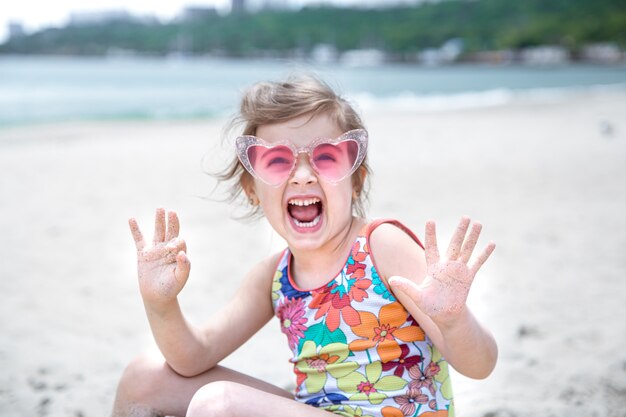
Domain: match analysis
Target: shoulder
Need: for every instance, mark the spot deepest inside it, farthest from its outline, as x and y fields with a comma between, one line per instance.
x=395, y=251
x=257, y=284
x=261, y=275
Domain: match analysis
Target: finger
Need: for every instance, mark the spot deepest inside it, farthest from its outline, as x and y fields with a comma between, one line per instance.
x=173, y=226
x=165, y=253
x=159, y=226
x=140, y=243
x=411, y=289
x=173, y=248
x=480, y=260
x=457, y=239
x=470, y=242
x=183, y=266
x=177, y=244
x=430, y=241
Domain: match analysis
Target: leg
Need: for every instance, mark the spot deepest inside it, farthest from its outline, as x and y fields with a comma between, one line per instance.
x=232, y=399
x=150, y=388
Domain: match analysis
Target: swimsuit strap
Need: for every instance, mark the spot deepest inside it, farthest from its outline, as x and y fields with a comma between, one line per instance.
x=374, y=224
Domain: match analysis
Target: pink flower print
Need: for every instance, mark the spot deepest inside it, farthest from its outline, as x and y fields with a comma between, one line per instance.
x=407, y=401
x=367, y=388
x=291, y=314
x=424, y=379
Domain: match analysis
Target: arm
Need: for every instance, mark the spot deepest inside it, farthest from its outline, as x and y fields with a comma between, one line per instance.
x=438, y=302
x=163, y=269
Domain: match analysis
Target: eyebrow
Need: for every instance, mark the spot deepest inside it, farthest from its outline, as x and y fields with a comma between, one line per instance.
x=271, y=152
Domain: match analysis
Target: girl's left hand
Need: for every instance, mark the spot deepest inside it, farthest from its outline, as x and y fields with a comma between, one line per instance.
x=443, y=293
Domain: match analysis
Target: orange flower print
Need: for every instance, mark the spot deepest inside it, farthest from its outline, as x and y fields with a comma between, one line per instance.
x=397, y=412
x=335, y=300
x=438, y=413
x=392, y=412
x=383, y=331
x=300, y=377
x=355, y=267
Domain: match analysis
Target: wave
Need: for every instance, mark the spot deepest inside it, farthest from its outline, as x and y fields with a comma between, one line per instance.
x=408, y=101
x=46, y=105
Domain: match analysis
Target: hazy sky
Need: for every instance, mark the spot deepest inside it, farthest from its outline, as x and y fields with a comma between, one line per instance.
x=34, y=14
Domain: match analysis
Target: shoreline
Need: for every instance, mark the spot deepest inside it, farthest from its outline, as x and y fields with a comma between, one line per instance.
x=498, y=58
x=404, y=103
x=33, y=92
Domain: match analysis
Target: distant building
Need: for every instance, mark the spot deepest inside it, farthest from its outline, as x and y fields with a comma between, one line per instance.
x=448, y=53
x=496, y=57
x=15, y=29
x=324, y=53
x=602, y=53
x=198, y=13
x=87, y=18
x=238, y=6
x=545, y=55
x=362, y=58
x=275, y=4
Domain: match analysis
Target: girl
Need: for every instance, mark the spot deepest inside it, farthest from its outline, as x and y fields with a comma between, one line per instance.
x=368, y=312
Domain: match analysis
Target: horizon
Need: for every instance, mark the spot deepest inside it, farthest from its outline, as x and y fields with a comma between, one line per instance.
x=34, y=16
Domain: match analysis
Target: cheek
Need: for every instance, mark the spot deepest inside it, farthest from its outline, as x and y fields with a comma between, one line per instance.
x=269, y=198
x=340, y=198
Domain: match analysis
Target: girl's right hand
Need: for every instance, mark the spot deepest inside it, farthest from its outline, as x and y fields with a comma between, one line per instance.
x=163, y=267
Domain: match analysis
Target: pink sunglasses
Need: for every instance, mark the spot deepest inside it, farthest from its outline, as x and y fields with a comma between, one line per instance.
x=332, y=159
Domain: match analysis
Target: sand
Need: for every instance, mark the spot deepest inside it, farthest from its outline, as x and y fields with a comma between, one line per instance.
x=546, y=177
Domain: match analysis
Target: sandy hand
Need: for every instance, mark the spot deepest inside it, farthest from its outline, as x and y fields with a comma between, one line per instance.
x=163, y=267
x=443, y=293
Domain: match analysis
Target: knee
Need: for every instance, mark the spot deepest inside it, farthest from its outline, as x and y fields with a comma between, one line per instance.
x=140, y=380
x=214, y=399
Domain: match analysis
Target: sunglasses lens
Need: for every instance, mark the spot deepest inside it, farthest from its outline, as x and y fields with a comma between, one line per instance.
x=273, y=165
x=335, y=161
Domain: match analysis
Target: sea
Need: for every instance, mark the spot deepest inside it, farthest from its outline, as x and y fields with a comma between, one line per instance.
x=50, y=89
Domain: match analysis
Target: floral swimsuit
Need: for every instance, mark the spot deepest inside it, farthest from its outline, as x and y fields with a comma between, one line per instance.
x=356, y=350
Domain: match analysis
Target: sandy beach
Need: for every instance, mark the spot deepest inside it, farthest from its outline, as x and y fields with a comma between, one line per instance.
x=546, y=177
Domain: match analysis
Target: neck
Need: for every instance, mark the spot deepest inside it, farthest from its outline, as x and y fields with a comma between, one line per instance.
x=313, y=268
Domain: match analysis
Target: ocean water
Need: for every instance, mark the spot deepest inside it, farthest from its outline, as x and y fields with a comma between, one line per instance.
x=39, y=89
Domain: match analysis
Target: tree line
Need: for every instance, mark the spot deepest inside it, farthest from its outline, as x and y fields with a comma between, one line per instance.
x=481, y=24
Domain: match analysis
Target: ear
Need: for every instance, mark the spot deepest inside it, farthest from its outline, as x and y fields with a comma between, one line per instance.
x=247, y=184
x=358, y=181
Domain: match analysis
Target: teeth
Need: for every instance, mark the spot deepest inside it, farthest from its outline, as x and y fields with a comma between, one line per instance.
x=309, y=224
x=306, y=202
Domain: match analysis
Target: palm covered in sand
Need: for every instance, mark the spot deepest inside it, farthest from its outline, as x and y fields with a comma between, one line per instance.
x=163, y=267
x=443, y=293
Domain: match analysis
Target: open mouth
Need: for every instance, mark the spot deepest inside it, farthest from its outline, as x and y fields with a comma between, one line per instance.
x=305, y=212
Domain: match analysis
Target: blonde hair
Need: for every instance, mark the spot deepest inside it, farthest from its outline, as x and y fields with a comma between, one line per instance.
x=271, y=102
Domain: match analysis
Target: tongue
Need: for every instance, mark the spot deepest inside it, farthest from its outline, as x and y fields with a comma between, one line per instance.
x=304, y=214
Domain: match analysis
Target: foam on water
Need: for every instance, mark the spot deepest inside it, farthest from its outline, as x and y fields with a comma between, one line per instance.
x=51, y=89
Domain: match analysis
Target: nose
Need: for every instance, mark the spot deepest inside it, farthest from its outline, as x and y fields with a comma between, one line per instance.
x=303, y=173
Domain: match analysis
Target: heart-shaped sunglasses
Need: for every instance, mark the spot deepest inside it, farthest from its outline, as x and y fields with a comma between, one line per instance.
x=332, y=159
